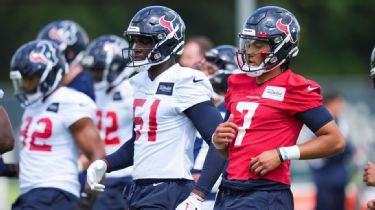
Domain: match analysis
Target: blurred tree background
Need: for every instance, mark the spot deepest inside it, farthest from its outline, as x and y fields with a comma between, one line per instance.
x=336, y=36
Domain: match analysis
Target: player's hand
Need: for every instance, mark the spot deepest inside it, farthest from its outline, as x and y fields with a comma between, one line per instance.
x=369, y=174
x=224, y=134
x=193, y=202
x=265, y=162
x=95, y=173
x=371, y=205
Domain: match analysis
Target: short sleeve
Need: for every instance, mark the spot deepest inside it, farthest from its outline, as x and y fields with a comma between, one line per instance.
x=191, y=90
x=74, y=111
x=303, y=96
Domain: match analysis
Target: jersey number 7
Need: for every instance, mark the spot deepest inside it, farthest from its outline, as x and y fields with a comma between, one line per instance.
x=248, y=108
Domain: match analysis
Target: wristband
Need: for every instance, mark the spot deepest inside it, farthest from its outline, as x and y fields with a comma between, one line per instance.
x=218, y=146
x=279, y=153
x=289, y=153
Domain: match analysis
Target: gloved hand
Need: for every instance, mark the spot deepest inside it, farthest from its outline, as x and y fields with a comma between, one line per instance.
x=95, y=173
x=193, y=202
x=86, y=200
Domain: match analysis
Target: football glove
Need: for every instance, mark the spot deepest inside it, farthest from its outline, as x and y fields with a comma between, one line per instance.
x=95, y=173
x=193, y=202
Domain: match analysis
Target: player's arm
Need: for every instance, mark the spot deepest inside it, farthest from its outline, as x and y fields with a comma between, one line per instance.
x=86, y=134
x=329, y=141
x=212, y=168
x=205, y=118
x=6, y=132
x=121, y=158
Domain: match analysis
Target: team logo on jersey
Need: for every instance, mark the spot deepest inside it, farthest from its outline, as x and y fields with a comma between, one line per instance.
x=117, y=96
x=275, y=93
x=172, y=26
x=165, y=88
x=54, y=107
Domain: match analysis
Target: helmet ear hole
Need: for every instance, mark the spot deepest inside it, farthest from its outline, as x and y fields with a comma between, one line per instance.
x=294, y=52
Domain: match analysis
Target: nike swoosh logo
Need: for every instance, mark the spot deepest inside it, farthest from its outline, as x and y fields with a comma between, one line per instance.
x=309, y=88
x=156, y=184
x=197, y=80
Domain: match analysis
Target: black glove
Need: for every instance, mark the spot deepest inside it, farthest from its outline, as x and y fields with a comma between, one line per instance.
x=87, y=200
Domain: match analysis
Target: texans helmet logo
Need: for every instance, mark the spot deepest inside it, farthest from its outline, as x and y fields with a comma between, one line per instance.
x=171, y=25
x=64, y=34
x=44, y=53
x=285, y=28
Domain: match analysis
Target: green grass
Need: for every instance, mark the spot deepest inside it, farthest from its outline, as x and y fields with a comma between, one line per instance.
x=13, y=192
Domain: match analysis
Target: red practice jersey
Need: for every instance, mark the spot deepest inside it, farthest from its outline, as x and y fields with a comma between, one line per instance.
x=265, y=115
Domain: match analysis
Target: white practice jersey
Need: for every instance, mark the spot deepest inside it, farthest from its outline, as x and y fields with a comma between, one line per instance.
x=115, y=120
x=49, y=153
x=164, y=134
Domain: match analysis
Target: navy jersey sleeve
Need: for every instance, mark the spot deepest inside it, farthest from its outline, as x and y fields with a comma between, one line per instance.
x=205, y=118
x=212, y=168
x=84, y=83
x=122, y=158
x=315, y=118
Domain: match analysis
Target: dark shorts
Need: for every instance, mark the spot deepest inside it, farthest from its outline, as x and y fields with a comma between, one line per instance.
x=255, y=200
x=159, y=193
x=45, y=199
x=112, y=198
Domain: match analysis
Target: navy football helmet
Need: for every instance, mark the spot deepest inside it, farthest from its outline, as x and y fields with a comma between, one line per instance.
x=276, y=26
x=224, y=58
x=104, y=59
x=372, y=64
x=71, y=38
x=161, y=24
x=40, y=58
x=372, y=67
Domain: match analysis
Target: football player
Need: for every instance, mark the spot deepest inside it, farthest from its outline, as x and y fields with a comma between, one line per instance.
x=369, y=171
x=220, y=63
x=170, y=103
x=72, y=40
x=114, y=99
x=56, y=124
x=372, y=67
x=267, y=106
